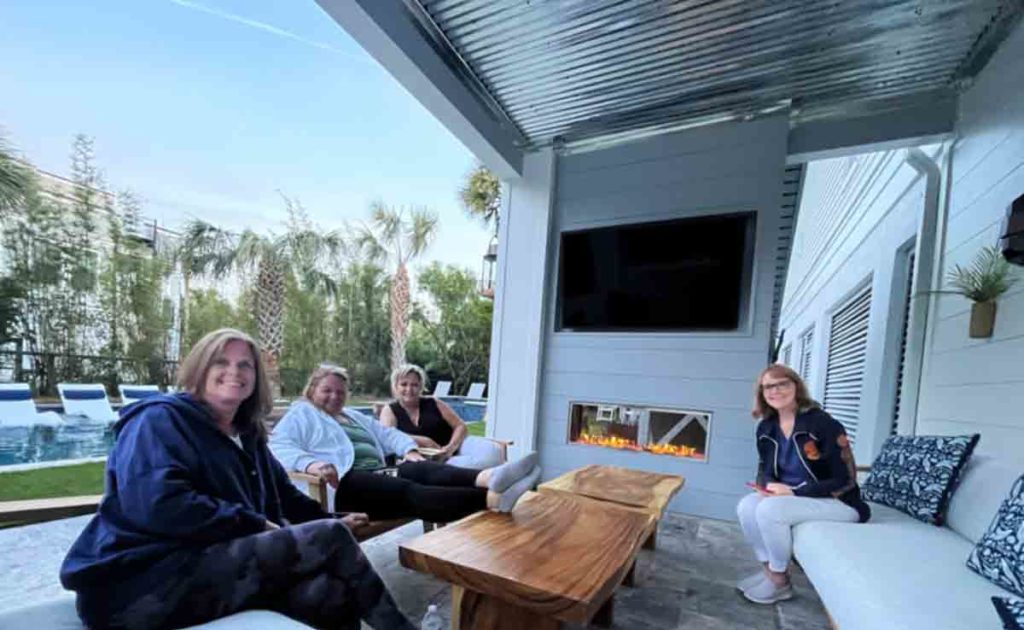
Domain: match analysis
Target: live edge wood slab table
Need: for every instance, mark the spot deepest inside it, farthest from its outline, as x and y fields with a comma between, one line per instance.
x=556, y=558
x=636, y=489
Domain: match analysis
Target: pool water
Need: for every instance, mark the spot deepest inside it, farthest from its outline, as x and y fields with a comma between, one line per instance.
x=79, y=438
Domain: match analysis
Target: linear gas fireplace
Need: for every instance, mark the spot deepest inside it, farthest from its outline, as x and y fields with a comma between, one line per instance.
x=678, y=432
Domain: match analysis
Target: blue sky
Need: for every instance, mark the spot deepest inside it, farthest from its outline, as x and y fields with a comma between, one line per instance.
x=208, y=107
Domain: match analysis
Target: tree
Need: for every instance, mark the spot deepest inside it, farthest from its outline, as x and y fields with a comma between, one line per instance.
x=14, y=180
x=394, y=237
x=455, y=324
x=303, y=253
x=481, y=196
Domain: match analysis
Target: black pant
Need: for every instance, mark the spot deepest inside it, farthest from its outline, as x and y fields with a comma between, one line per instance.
x=427, y=490
x=314, y=572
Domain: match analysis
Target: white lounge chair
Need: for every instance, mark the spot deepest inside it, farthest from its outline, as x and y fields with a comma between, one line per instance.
x=442, y=388
x=476, y=390
x=135, y=393
x=86, y=400
x=18, y=410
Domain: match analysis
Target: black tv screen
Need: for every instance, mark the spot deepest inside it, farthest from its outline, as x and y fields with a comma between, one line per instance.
x=681, y=275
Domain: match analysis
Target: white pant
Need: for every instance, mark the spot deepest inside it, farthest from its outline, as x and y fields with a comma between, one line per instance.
x=476, y=452
x=768, y=522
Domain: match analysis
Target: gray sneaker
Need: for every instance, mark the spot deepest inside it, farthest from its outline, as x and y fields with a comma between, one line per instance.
x=751, y=581
x=767, y=593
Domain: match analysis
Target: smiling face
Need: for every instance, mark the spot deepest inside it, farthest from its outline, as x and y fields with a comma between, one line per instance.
x=779, y=392
x=408, y=388
x=231, y=378
x=330, y=394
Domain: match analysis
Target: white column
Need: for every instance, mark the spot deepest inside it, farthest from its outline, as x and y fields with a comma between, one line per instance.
x=517, y=335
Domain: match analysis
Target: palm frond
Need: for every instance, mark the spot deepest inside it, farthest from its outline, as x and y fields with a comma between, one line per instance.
x=421, y=232
x=985, y=279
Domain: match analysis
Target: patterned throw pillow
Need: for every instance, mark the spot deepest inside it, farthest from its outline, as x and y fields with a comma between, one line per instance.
x=916, y=474
x=1011, y=611
x=999, y=555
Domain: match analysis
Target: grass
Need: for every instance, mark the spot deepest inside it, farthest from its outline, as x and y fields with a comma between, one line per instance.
x=476, y=428
x=59, y=481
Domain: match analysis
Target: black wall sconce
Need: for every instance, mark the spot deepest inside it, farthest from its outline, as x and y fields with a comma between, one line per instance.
x=1012, y=241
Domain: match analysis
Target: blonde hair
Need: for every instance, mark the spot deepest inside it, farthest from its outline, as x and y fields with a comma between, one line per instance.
x=803, y=398
x=193, y=371
x=402, y=371
x=319, y=374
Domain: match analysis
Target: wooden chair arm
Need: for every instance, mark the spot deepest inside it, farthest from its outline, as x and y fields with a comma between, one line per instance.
x=503, y=445
x=39, y=510
x=316, y=485
x=864, y=468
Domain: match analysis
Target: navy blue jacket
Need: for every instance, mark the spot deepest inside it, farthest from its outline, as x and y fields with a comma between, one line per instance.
x=824, y=450
x=176, y=484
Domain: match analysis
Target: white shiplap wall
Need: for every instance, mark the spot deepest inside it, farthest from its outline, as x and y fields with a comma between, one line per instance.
x=718, y=169
x=977, y=385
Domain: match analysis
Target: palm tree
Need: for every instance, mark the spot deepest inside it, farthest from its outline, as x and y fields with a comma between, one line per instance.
x=395, y=236
x=14, y=179
x=302, y=252
x=481, y=196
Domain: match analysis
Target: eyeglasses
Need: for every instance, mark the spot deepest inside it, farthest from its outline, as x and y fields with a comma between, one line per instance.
x=777, y=386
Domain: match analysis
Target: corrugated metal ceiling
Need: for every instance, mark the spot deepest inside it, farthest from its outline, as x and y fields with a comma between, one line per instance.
x=576, y=71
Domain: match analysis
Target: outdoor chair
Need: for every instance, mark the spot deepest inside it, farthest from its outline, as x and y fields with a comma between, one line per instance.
x=135, y=393
x=442, y=388
x=476, y=390
x=18, y=410
x=89, y=401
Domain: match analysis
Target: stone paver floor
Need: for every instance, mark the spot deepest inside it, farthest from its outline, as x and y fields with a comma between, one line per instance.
x=687, y=584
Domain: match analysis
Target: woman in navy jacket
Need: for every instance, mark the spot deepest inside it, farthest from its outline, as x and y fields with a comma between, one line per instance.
x=199, y=521
x=805, y=472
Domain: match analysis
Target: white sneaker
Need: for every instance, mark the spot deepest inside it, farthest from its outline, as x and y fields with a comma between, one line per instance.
x=751, y=581
x=767, y=593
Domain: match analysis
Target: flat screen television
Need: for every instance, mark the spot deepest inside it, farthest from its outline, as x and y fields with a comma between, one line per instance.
x=688, y=274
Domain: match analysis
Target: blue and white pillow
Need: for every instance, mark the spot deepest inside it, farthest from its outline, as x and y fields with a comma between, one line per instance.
x=917, y=474
x=1011, y=611
x=999, y=555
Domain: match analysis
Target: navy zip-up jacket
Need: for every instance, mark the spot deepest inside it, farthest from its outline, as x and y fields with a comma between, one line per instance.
x=176, y=484
x=823, y=449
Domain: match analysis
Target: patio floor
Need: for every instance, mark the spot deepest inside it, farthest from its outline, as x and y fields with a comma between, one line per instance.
x=687, y=584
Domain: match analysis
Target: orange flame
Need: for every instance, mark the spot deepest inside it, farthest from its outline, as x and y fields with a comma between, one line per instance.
x=631, y=445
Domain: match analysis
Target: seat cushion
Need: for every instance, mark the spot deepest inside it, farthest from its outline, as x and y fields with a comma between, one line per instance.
x=999, y=555
x=59, y=614
x=1011, y=611
x=896, y=573
x=917, y=474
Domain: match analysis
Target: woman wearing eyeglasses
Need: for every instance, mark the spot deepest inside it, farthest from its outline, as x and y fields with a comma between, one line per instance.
x=805, y=473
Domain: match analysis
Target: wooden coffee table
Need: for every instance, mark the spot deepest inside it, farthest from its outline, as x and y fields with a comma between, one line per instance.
x=645, y=491
x=556, y=558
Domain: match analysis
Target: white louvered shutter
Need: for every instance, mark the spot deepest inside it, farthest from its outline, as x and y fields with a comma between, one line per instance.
x=806, y=346
x=847, y=347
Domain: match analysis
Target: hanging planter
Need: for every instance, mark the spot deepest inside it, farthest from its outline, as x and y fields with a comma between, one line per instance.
x=983, y=319
x=983, y=282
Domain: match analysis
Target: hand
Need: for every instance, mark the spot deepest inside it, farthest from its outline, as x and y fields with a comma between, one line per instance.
x=355, y=520
x=414, y=456
x=779, y=489
x=271, y=526
x=325, y=471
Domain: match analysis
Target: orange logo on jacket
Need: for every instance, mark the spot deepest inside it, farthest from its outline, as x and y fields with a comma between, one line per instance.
x=811, y=451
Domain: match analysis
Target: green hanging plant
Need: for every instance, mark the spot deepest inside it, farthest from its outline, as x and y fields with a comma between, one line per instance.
x=986, y=279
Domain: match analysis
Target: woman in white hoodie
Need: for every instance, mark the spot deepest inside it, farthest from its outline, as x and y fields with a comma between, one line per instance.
x=348, y=449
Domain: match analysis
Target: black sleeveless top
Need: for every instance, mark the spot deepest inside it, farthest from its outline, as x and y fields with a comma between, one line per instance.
x=432, y=424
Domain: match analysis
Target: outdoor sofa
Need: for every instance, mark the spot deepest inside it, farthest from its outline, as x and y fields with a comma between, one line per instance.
x=898, y=573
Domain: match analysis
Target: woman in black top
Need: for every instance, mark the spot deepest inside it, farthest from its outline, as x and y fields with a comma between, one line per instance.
x=431, y=423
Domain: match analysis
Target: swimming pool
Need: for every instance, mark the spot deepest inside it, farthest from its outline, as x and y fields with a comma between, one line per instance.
x=79, y=438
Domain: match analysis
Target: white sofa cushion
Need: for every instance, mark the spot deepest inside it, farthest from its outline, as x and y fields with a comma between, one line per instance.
x=59, y=614
x=984, y=483
x=895, y=573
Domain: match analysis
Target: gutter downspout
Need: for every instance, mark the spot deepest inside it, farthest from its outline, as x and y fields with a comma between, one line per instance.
x=925, y=265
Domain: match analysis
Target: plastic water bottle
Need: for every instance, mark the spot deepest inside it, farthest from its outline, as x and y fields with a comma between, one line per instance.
x=432, y=620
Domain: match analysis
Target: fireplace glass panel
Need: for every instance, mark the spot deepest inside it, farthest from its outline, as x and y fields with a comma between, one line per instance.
x=677, y=432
